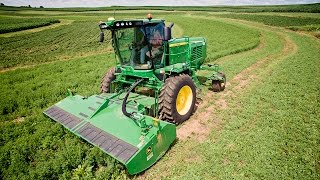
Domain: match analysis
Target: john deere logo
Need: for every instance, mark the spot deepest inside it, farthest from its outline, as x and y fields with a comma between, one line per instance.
x=149, y=153
x=149, y=150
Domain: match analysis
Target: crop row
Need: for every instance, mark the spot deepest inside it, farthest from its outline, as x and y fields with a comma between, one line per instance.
x=18, y=24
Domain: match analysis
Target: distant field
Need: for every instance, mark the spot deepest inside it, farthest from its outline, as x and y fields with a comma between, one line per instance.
x=310, y=8
x=265, y=125
x=17, y=24
x=274, y=20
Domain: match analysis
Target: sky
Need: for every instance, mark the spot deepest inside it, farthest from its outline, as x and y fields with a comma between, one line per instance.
x=103, y=3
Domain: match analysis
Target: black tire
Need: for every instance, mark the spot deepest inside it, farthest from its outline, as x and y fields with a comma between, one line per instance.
x=168, y=99
x=107, y=80
x=217, y=85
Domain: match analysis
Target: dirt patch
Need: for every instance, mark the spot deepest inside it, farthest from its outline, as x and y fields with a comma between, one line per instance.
x=222, y=103
x=201, y=124
x=193, y=128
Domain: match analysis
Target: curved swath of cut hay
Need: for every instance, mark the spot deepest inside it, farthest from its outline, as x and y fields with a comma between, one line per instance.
x=18, y=24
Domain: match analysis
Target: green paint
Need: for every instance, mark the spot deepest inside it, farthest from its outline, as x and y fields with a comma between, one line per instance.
x=144, y=133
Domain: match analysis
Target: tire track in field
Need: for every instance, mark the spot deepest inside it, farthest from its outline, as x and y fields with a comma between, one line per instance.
x=202, y=122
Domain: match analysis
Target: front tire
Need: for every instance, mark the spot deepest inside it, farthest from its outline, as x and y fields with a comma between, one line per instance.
x=177, y=99
x=107, y=79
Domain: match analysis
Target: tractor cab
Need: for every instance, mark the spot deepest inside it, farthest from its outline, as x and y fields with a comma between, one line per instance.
x=137, y=43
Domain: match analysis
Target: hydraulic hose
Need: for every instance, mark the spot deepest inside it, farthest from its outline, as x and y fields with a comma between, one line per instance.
x=124, y=102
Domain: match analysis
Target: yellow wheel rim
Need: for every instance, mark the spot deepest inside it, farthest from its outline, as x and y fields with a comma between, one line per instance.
x=184, y=100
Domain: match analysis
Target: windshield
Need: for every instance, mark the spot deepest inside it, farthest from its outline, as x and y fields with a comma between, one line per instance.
x=139, y=47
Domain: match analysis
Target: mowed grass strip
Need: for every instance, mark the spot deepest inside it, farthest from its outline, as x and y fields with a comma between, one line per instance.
x=10, y=24
x=222, y=38
x=34, y=30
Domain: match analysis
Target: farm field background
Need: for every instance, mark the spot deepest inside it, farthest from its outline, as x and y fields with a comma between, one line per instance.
x=265, y=125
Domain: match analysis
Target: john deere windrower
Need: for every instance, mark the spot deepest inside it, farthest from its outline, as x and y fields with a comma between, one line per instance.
x=150, y=90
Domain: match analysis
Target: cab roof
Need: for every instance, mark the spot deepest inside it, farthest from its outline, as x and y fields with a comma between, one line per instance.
x=112, y=24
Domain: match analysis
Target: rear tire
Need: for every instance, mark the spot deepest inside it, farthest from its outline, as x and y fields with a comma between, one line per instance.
x=217, y=85
x=107, y=80
x=177, y=99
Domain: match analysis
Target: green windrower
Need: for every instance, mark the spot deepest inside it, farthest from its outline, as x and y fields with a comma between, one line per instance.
x=151, y=89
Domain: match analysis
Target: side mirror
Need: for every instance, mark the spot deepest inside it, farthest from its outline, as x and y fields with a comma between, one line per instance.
x=167, y=33
x=101, y=36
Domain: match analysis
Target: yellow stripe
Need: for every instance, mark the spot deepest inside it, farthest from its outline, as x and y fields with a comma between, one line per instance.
x=178, y=44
